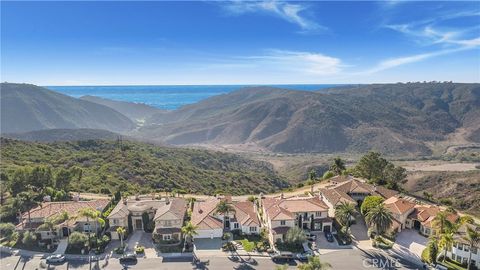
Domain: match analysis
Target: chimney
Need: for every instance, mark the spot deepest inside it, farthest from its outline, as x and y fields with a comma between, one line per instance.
x=76, y=197
x=320, y=195
x=153, y=195
x=137, y=197
x=124, y=199
x=167, y=200
x=282, y=196
x=374, y=187
x=47, y=198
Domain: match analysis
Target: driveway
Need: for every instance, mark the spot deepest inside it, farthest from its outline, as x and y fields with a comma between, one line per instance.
x=324, y=247
x=409, y=243
x=207, y=244
x=359, y=232
x=143, y=239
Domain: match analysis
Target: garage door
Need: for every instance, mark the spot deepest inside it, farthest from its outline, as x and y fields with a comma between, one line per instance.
x=209, y=233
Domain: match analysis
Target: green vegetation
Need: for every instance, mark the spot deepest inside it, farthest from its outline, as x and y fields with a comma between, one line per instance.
x=382, y=242
x=380, y=218
x=344, y=214
x=108, y=166
x=380, y=171
x=76, y=242
x=370, y=202
x=314, y=263
x=293, y=240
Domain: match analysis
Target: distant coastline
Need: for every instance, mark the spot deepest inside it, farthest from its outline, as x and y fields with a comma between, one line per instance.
x=168, y=97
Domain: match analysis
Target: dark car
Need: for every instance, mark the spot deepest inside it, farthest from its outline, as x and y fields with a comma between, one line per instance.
x=329, y=236
x=304, y=256
x=283, y=257
x=128, y=258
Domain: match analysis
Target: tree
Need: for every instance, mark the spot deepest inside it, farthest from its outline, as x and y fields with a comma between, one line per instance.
x=7, y=230
x=50, y=223
x=225, y=208
x=189, y=230
x=312, y=175
x=394, y=175
x=441, y=223
x=369, y=202
x=92, y=214
x=314, y=263
x=338, y=166
x=29, y=238
x=371, y=166
x=78, y=240
x=473, y=239
x=121, y=233
x=328, y=175
x=432, y=250
x=344, y=213
x=27, y=201
x=295, y=236
x=445, y=243
x=63, y=179
x=380, y=218
x=19, y=181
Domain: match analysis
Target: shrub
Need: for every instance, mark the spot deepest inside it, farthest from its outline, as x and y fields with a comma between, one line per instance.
x=369, y=203
x=382, y=242
x=139, y=249
x=29, y=239
x=229, y=246
x=295, y=236
x=77, y=240
x=118, y=250
x=7, y=230
x=226, y=236
x=328, y=175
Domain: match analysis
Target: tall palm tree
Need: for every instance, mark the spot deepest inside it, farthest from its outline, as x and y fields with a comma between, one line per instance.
x=441, y=223
x=121, y=232
x=445, y=243
x=379, y=217
x=314, y=263
x=338, y=166
x=225, y=208
x=473, y=239
x=189, y=230
x=88, y=213
x=344, y=213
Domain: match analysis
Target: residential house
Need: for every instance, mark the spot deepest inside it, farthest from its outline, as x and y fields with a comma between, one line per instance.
x=349, y=189
x=421, y=218
x=400, y=208
x=281, y=214
x=30, y=221
x=212, y=224
x=164, y=212
x=460, y=251
x=169, y=220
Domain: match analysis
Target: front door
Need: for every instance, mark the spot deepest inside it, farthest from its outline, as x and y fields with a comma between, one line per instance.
x=138, y=224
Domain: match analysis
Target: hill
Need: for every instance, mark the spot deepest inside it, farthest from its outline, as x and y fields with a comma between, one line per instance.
x=140, y=167
x=399, y=119
x=57, y=135
x=135, y=111
x=26, y=107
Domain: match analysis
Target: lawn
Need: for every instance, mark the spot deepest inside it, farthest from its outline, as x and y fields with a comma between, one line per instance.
x=249, y=246
x=251, y=242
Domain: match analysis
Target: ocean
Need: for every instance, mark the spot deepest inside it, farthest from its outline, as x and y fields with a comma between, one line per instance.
x=167, y=97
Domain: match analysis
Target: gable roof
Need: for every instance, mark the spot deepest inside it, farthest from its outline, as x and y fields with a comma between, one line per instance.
x=202, y=215
x=177, y=207
x=426, y=214
x=398, y=205
x=245, y=213
x=336, y=197
x=48, y=209
x=285, y=209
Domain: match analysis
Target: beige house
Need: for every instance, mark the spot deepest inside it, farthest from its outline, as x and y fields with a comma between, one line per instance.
x=165, y=212
x=421, y=218
x=169, y=220
x=212, y=224
x=281, y=214
x=37, y=216
x=400, y=209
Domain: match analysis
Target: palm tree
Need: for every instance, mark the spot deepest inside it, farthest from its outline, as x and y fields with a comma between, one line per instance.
x=344, y=213
x=48, y=225
x=379, y=217
x=88, y=213
x=441, y=223
x=473, y=239
x=121, y=232
x=224, y=208
x=338, y=166
x=189, y=230
x=446, y=242
x=314, y=263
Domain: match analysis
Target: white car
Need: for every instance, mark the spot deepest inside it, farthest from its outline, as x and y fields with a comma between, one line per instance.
x=56, y=258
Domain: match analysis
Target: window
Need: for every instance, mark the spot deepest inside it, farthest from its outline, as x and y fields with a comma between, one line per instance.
x=115, y=221
x=236, y=225
x=167, y=237
x=253, y=229
x=318, y=214
x=168, y=223
x=282, y=222
x=474, y=250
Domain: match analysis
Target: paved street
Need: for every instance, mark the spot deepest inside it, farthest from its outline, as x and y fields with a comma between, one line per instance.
x=344, y=259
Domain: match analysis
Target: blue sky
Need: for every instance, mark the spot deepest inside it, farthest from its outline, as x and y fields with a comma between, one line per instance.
x=235, y=42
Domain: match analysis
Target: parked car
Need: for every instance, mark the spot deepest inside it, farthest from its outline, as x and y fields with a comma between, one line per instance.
x=282, y=257
x=128, y=258
x=329, y=236
x=56, y=258
x=304, y=256
x=310, y=237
